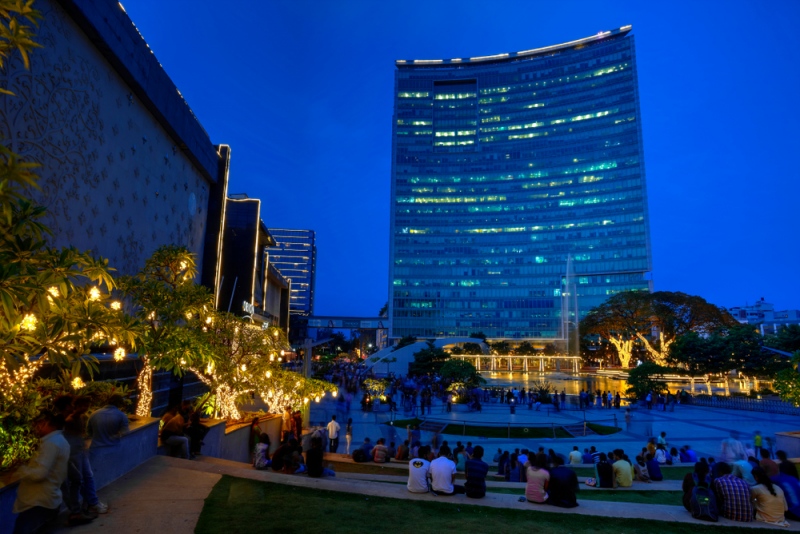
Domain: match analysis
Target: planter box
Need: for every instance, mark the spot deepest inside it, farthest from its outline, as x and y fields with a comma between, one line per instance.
x=789, y=442
x=108, y=464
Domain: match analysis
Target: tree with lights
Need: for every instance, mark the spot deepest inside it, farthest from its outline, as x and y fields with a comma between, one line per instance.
x=174, y=310
x=245, y=360
x=787, y=382
x=631, y=317
x=55, y=304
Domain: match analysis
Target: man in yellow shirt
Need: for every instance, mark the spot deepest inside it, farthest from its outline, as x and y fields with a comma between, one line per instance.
x=623, y=472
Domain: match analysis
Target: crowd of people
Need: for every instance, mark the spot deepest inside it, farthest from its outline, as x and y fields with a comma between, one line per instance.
x=745, y=484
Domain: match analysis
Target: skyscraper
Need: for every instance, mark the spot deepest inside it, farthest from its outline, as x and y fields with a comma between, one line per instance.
x=295, y=256
x=505, y=169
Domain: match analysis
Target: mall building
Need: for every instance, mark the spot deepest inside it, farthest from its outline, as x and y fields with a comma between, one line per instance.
x=518, y=195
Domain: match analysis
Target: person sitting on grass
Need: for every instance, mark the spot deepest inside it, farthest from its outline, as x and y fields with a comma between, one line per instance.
x=623, y=472
x=538, y=478
x=443, y=474
x=501, y=463
x=640, y=469
x=296, y=465
x=314, y=464
x=743, y=469
x=654, y=468
x=282, y=454
x=768, y=499
x=563, y=486
x=699, y=477
x=791, y=492
x=380, y=454
x=172, y=434
x=733, y=495
x=366, y=448
x=497, y=455
x=476, y=470
x=785, y=466
x=513, y=469
x=402, y=451
x=419, y=468
x=768, y=464
x=261, y=459
x=604, y=473
x=575, y=456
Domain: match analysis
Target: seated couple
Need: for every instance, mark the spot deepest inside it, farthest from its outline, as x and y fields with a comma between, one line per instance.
x=438, y=476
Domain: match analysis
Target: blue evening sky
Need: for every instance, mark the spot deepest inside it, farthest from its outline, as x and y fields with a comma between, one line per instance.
x=302, y=91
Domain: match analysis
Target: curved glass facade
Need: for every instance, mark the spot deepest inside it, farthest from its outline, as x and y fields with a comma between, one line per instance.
x=503, y=168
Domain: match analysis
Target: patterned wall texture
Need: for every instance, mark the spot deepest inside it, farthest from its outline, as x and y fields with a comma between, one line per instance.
x=112, y=179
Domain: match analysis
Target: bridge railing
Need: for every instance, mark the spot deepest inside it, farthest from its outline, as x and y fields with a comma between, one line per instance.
x=746, y=403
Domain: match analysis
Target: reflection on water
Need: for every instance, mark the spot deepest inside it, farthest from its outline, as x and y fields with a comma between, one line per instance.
x=574, y=383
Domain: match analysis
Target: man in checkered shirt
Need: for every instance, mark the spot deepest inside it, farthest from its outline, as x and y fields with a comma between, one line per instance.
x=733, y=495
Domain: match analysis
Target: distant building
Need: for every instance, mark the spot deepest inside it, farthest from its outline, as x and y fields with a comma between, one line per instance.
x=505, y=169
x=763, y=313
x=295, y=256
x=249, y=284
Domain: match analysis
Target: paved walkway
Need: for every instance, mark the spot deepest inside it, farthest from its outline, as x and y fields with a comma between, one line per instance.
x=166, y=495
x=701, y=427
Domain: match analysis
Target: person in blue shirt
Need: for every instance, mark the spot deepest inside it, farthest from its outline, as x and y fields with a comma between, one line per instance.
x=654, y=469
x=791, y=492
x=476, y=471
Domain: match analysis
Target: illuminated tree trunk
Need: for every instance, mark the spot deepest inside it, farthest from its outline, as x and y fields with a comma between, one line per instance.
x=144, y=406
x=756, y=387
x=659, y=357
x=226, y=403
x=692, y=385
x=708, y=383
x=727, y=386
x=624, y=350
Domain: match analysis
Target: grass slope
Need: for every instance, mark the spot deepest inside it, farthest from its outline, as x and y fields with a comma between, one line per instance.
x=517, y=432
x=245, y=506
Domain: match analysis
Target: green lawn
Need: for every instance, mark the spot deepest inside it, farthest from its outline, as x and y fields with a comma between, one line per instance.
x=670, y=473
x=603, y=430
x=645, y=497
x=519, y=432
x=245, y=506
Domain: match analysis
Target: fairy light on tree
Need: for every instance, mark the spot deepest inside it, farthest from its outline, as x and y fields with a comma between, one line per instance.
x=47, y=314
x=241, y=367
x=173, y=310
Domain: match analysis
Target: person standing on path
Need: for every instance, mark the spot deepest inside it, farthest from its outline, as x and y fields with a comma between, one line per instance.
x=348, y=434
x=39, y=494
x=80, y=476
x=333, y=434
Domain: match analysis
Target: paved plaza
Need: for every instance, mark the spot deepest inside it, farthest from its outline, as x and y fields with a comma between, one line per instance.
x=700, y=427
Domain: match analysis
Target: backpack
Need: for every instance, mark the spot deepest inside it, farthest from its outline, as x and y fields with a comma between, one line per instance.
x=359, y=456
x=703, y=504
